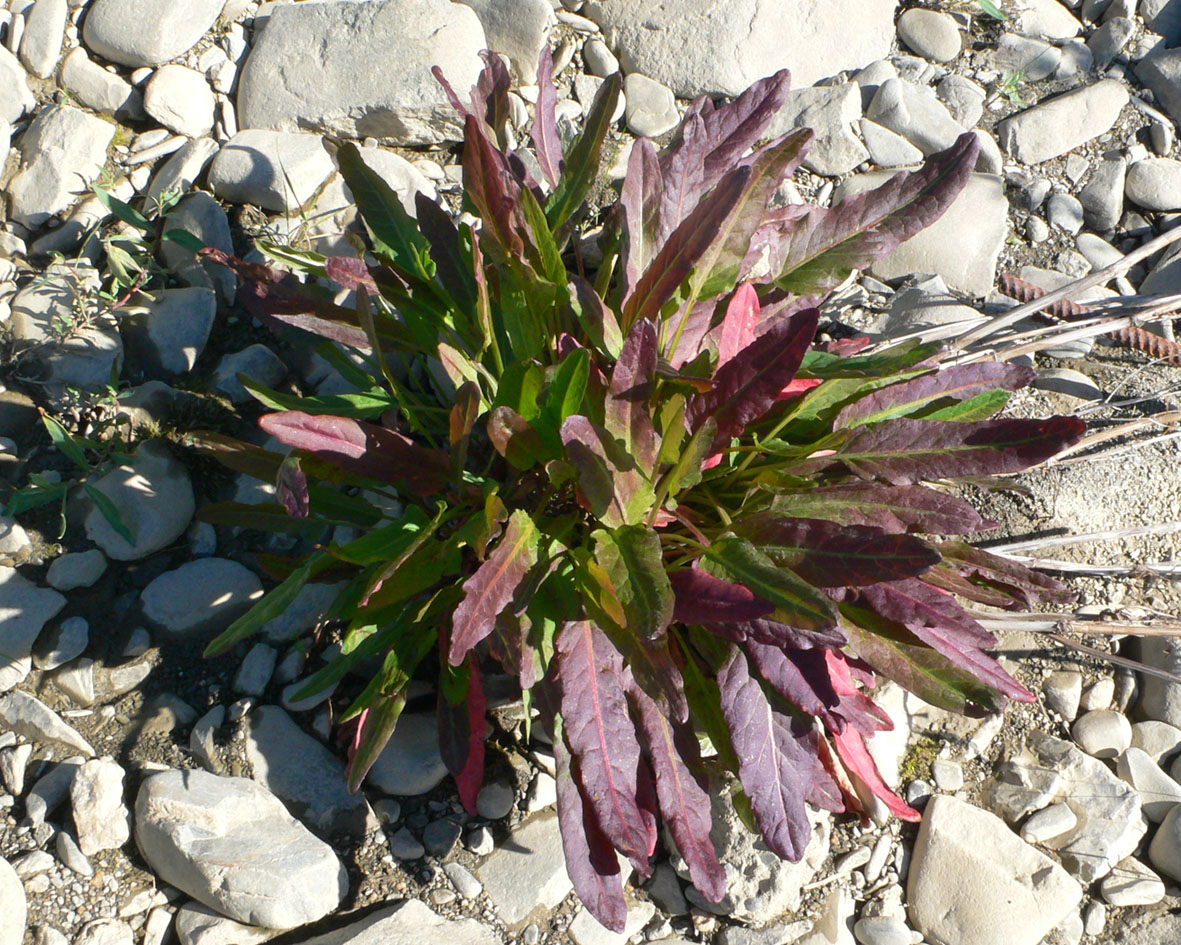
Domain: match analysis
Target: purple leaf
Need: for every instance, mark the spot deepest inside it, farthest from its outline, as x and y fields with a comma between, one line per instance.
x=601, y=735
x=617, y=491
x=590, y=858
x=685, y=248
x=960, y=381
x=361, y=448
x=681, y=184
x=747, y=386
x=639, y=202
x=777, y=634
x=800, y=676
x=703, y=598
x=596, y=318
x=626, y=415
x=350, y=272
x=937, y=623
x=903, y=452
x=632, y=556
x=493, y=191
x=490, y=94
x=774, y=769
x=816, y=251
x=827, y=554
x=1012, y=577
x=492, y=588
x=682, y=792
x=546, y=142
x=893, y=509
x=291, y=488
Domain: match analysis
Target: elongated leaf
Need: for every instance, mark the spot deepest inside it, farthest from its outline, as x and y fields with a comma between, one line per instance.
x=777, y=634
x=264, y=516
x=361, y=448
x=897, y=654
x=859, y=762
x=703, y=598
x=686, y=471
x=960, y=381
x=683, y=793
x=1014, y=578
x=124, y=211
x=796, y=601
x=800, y=676
x=826, y=554
x=494, y=193
x=626, y=413
x=749, y=384
x=596, y=319
x=271, y=605
x=373, y=734
x=903, y=452
x=582, y=161
x=492, y=588
x=360, y=405
x=65, y=443
x=893, y=509
x=740, y=325
x=461, y=736
x=564, y=396
x=905, y=355
x=775, y=771
x=603, y=739
x=617, y=491
x=856, y=708
x=546, y=143
x=684, y=249
x=639, y=201
x=816, y=251
x=349, y=272
x=632, y=557
x=590, y=858
x=109, y=511
x=936, y=623
x=450, y=255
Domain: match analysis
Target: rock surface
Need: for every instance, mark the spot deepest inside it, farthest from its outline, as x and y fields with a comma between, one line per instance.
x=25, y=608
x=147, y=32
x=529, y=873
x=230, y=844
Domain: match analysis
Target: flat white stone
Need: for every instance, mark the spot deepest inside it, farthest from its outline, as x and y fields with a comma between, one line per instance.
x=100, y=816
x=1132, y=883
x=203, y=595
x=13, y=906
x=147, y=32
x=1062, y=123
x=31, y=718
x=528, y=872
x=181, y=100
x=77, y=569
x=275, y=170
x=409, y=923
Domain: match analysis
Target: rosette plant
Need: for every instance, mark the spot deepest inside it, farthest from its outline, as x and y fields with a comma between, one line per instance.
x=626, y=472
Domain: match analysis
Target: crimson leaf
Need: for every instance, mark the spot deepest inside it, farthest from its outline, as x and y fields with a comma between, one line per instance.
x=1012, y=577
x=703, y=598
x=601, y=735
x=461, y=737
x=626, y=415
x=894, y=509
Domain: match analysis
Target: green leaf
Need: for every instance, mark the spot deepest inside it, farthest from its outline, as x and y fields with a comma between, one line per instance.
x=186, y=239
x=66, y=443
x=582, y=161
x=898, y=358
x=379, y=724
x=797, y=602
x=110, y=512
x=686, y=472
x=272, y=604
x=993, y=10
x=980, y=407
x=632, y=557
x=564, y=396
x=371, y=403
x=549, y=256
x=264, y=516
x=124, y=211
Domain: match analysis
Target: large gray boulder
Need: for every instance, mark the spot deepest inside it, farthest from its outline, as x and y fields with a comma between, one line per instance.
x=701, y=47
x=147, y=32
x=230, y=844
x=371, y=72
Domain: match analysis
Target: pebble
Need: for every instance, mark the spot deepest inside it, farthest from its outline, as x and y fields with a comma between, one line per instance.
x=405, y=846
x=1160, y=700
x=199, y=925
x=831, y=112
x=1102, y=196
x=882, y=930
x=1048, y=823
x=70, y=855
x=1158, y=792
x=69, y=572
x=887, y=149
x=1155, y=184
x=1065, y=212
x=181, y=100
x=168, y=335
x=45, y=27
x=115, y=28
x=255, y=670
x=495, y=800
x=96, y=798
x=1131, y=883
x=25, y=610
x=13, y=765
x=464, y=882
x=948, y=775
x=600, y=61
x=64, y=642
x=1158, y=740
x=932, y=35
x=1100, y=254
x=410, y=764
x=440, y=836
x=51, y=789
x=651, y=108
x=1063, y=123
x=1103, y=734
x=480, y=842
x=251, y=860
x=1069, y=382
x=915, y=113
x=257, y=362
x=31, y=718
x=1032, y=60
x=201, y=596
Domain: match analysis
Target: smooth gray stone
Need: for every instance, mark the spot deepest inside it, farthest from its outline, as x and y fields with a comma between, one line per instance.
x=98, y=89
x=202, y=596
x=182, y=169
x=1155, y=184
x=1069, y=382
x=257, y=362
x=1165, y=850
x=31, y=718
x=1158, y=792
x=301, y=772
x=78, y=569
x=1032, y=59
x=15, y=913
x=45, y=28
x=650, y=108
x=464, y=882
x=147, y=32
x=155, y=502
x=1161, y=72
x=25, y=608
x=51, y=789
x=1102, y=196
x=831, y=112
x=528, y=872
x=440, y=836
x=199, y=925
x=169, y=336
x=1065, y=212
x=230, y=844
x=1063, y=691
x=516, y=28
x=1109, y=40
x=410, y=764
x=65, y=641
x=699, y=48
x=1159, y=698
x=887, y=149
x=256, y=669
x=16, y=97
x=931, y=34
x=338, y=91
x=1049, y=823
x=202, y=216
x=963, y=97
x=915, y=113
x=1062, y=123
x=1132, y=883
x=275, y=170
x=1047, y=19
x=181, y=100
x=68, y=852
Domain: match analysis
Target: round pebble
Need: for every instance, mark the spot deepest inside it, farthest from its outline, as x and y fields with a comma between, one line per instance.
x=1103, y=734
x=882, y=930
x=932, y=35
x=495, y=800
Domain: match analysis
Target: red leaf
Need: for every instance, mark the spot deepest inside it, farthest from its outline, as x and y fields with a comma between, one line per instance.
x=590, y=858
x=361, y=448
x=778, y=634
x=860, y=764
x=350, y=272
x=492, y=588
x=703, y=598
x=639, y=202
x=800, y=676
x=855, y=705
x=492, y=190
x=601, y=735
x=683, y=793
x=461, y=738
x=774, y=768
x=748, y=385
x=1016, y=580
x=739, y=326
